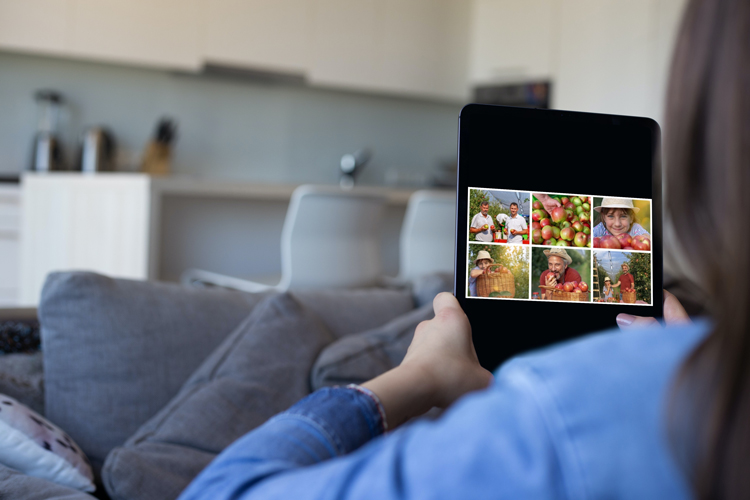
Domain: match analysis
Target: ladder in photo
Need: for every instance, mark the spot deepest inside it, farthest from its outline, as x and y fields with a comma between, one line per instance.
x=595, y=284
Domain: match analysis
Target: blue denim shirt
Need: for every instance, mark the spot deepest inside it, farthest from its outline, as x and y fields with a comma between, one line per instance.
x=584, y=419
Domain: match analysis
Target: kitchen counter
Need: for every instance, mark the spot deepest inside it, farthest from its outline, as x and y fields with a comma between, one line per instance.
x=133, y=225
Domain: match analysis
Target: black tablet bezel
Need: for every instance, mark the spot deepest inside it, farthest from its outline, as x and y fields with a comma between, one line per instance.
x=554, y=151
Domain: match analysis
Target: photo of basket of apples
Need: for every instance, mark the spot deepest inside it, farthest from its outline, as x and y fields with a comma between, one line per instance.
x=566, y=226
x=624, y=242
x=497, y=281
x=571, y=291
x=628, y=295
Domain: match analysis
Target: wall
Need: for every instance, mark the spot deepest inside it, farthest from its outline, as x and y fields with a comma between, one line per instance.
x=241, y=129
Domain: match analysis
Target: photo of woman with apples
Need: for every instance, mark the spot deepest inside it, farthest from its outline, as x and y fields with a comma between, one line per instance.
x=622, y=273
x=501, y=259
x=565, y=269
x=617, y=224
x=561, y=220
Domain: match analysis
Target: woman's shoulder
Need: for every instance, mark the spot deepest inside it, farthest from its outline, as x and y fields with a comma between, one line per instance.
x=606, y=392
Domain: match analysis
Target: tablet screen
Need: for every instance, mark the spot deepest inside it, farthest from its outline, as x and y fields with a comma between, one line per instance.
x=568, y=247
x=570, y=235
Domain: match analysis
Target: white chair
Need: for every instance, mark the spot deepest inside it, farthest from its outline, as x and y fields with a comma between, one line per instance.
x=428, y=234
x=330, y=238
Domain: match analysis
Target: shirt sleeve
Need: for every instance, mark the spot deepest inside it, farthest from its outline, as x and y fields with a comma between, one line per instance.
x=491, y=443
x=523, y=224
x=474, y=222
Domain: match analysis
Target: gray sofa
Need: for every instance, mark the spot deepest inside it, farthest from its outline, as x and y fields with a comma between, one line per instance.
x=152, y=380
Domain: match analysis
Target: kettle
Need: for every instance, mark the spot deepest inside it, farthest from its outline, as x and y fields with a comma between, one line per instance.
x=97, y=151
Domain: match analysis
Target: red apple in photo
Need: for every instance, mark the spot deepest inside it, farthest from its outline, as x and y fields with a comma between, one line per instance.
x=564, y=200
x=584, y=286
x=535, y=225
x=550, y=242
x=536, y=236
x=597, y=242
x=537, y=205
x=577, y=290
x=538, y=215
x=577, y=226
x=568, y=234
x=559, y=286
x=585, y=217
x=581, y=240
x=641, y=242
x=568, y=286
x=545, y=222
x=570, y=206
x=570, y=215
x=610, y=242
x=624, y=239
x=546, y=232
x=559, y=214
x=555, y=232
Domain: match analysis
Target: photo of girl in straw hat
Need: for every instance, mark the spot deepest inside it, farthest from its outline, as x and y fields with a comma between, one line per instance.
x=619, y=216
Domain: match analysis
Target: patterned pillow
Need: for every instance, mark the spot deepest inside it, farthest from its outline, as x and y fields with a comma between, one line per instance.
x=32, y=445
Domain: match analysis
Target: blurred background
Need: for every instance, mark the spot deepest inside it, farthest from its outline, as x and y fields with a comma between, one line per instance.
x=226, y=106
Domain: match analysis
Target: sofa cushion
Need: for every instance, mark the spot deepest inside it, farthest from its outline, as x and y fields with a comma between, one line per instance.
x=259, y=370
x=358, y=358
x=31, y=444
x=116, y=351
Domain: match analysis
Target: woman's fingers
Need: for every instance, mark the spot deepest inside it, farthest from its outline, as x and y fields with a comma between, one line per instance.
x=674, y=313
x=628, y=321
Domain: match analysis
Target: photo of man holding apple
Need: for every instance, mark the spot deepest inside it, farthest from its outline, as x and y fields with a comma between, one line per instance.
x=562, y=269
x=499, y=216
x=481, y=224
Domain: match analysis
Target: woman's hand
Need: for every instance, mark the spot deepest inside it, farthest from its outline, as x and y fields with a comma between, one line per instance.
x=674, y=314
x=547, y=201
x=440, y=366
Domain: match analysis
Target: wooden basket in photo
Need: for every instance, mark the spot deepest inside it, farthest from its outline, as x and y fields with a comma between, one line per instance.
x=498, y=282
x=628, y=297
x=555, y=294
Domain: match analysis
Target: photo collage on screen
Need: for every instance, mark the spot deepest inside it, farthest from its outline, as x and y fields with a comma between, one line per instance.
x=525, y=245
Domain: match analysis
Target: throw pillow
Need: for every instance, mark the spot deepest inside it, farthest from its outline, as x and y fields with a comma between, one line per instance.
x=259, y=370
x=358, y=358
x=116, y=351
x=32, y=445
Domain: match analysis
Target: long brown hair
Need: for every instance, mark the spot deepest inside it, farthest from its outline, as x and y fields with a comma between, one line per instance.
x=708, y=182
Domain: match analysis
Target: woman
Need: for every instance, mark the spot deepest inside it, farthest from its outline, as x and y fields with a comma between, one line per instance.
x=617, y=217
x=586, y=419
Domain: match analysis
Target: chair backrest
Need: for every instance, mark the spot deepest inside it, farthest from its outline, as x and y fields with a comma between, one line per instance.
x=428, y=234
x=331, y=238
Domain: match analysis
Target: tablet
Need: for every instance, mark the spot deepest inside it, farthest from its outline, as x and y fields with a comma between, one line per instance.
x=558, y=225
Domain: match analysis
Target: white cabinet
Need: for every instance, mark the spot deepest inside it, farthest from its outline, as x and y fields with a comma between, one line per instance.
x=9, y=244
x=34, y=25
x=163, y=33
x=513, y=40
x=271, y=35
